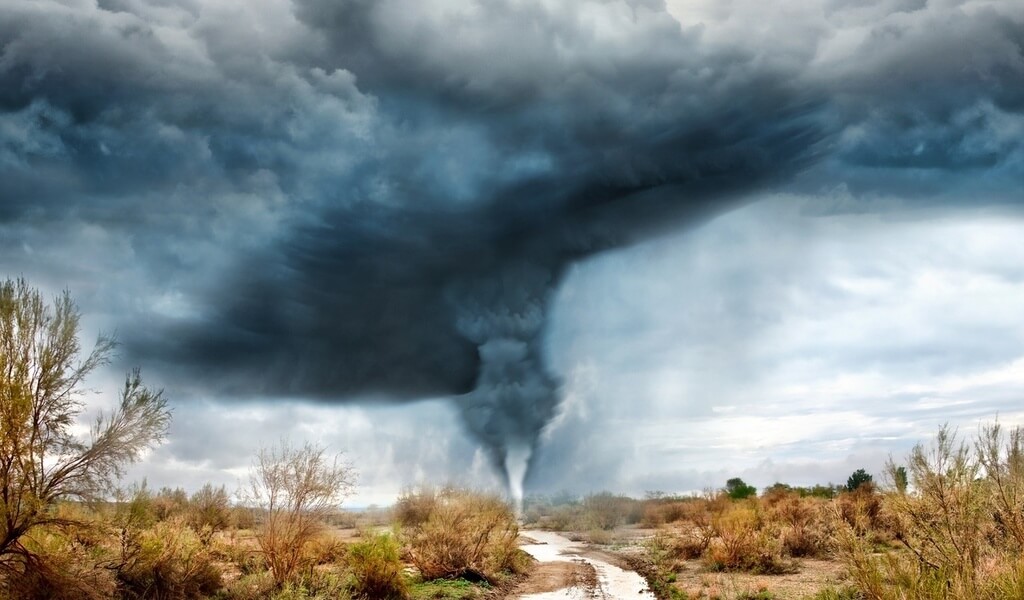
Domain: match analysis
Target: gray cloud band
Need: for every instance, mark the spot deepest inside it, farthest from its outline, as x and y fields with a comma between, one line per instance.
x=378, y=199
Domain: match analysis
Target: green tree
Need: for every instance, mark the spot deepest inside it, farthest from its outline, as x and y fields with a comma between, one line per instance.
x=857, y=479
x=899, y=479
x=41, y=460
x=737, y=489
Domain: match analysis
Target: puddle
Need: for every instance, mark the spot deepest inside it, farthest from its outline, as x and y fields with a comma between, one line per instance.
x=613, y=582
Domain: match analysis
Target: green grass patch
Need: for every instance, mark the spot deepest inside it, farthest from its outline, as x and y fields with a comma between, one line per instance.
x=450, y=589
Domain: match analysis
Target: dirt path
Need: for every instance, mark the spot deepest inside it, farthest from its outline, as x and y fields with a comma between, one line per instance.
x=566, y=571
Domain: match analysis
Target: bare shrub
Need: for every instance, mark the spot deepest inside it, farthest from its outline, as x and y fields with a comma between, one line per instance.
x=295, y=488
x=466, y=534
x=703, y=514
x=693, y=543
x=607, y=511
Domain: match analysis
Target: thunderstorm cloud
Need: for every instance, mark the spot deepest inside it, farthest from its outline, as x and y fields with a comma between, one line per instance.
x=380, y=202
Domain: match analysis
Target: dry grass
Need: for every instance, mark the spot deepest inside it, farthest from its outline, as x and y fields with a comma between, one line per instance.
x=813, y=576
x=957, y=528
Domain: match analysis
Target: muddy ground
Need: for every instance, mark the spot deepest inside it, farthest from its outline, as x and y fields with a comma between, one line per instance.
x=694, y=578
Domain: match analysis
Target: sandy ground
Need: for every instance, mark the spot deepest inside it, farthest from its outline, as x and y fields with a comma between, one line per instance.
x=812, y=576
x=550, y=577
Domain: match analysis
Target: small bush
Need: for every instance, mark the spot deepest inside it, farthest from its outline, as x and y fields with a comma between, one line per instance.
x=658, y=566
x=804, y=530
x=209, y=511
x=376, y=568
x=862, y=508
x=607, y=511
x=466, y=534
x=167, y=560
x=743, y=545
x=600, y=537
x=59, y=567
x=168, y=503
x=325, y=549
x=414, y=507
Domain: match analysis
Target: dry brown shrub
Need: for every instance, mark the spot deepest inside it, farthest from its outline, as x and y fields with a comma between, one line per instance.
x=862, y=508
x=692, y=542
x=662, y=512
x=209, y=511
x=954, y=522
x=295, y=490
x=414, y=506
x=325, y=549
x=802, y=523
x=58, y=567
x=703, y=514
x=607, y=511
x=600, y=537
x=743, y=543
x=167, y=561
x=466, y=534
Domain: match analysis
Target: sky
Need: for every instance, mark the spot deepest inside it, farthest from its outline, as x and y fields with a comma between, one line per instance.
x=624, y=245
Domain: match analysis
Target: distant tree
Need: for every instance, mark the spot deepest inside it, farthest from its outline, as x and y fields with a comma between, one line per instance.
x=822, y=491
x=169, y=502
x=899, y=479
x=777, y=488
x=565, y=498
x=737, y=489
x=857, y=479
x=41, y=460
x=295, y=489
x=209, y=511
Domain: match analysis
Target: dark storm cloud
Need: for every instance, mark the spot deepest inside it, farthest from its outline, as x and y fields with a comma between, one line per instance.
x=378, y=199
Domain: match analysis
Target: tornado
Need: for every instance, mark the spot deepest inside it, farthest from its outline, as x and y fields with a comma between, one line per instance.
x=345, y=201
